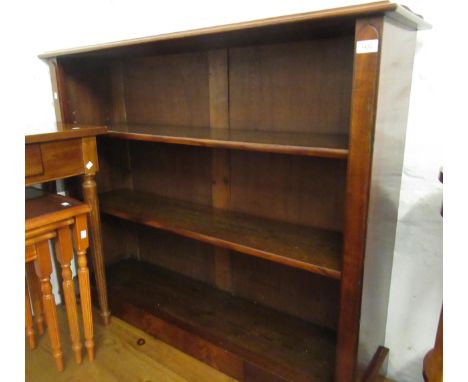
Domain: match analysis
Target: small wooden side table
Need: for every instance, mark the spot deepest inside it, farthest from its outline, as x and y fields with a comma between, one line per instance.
x=67, y=151
x=55, y=217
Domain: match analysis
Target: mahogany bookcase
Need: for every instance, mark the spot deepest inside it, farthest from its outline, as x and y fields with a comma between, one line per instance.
x=249, y=184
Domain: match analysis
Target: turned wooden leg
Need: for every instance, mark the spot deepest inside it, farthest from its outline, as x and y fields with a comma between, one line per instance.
x=80, y=235
x=56, y=264
x=90, y=196
x=35, y=292
x=43, y=267
x=28, y=320
x=64, y=253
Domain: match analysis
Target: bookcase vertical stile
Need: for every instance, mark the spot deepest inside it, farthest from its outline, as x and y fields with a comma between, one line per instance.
x=218, y=61
x=363, y=109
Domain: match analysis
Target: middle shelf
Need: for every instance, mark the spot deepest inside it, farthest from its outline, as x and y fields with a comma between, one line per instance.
x=311, y=249
x=315, y=144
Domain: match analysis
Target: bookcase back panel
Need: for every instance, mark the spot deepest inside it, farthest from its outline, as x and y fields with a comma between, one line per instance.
x=167, y=90
x=300, y=190
x=188, y=257
x=302, y=294
x=302, y=86
x=297, y=86
x=115, y=166
x=86, y=89
x=119, y=239
x=173, y=171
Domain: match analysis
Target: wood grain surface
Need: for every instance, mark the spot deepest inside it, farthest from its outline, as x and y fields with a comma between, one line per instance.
x=284, y=345
x=302, y=247
x=326, y=145
x=145, y=358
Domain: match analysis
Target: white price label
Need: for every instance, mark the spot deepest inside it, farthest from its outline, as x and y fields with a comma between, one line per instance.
x=367, y=46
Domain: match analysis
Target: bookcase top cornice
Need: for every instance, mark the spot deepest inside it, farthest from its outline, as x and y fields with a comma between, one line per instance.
x=400, y=13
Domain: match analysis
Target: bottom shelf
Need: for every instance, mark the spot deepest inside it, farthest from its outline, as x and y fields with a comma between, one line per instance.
x=243, y=339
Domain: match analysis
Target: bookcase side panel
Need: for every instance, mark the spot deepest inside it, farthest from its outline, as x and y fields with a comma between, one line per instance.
x=396, y=68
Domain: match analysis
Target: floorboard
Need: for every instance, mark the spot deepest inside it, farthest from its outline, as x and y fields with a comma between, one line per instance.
x=118, y=358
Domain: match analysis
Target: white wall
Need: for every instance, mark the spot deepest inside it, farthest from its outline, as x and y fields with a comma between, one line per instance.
x=416, y=292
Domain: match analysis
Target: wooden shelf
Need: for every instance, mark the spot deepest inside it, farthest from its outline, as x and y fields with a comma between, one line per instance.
x=313, y=250
x=293, y=143
x=151, y=298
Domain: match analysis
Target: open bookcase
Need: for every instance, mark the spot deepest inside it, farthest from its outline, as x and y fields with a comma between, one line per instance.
x=249, y=184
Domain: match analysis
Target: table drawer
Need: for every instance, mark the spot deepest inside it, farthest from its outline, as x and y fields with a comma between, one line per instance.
x=33, y=160
x=54, y=160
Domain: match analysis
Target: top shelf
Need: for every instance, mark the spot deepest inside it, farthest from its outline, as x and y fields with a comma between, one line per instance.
x=293, y=143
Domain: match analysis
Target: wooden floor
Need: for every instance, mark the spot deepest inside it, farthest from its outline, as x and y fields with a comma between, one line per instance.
x=118, y=358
